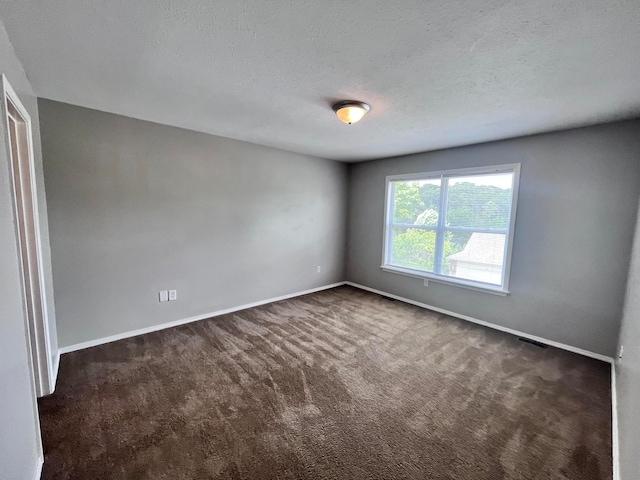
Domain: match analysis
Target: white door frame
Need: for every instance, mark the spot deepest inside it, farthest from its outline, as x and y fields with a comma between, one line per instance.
x=37, y=326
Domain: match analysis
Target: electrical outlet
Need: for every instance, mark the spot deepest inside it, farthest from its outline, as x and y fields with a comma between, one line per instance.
x=620, y=351
x=318, y=269
x=164, y=296
x=173, y=295
x=426, y=282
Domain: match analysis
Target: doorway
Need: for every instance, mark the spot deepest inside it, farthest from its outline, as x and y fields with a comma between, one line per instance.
x=20, y=143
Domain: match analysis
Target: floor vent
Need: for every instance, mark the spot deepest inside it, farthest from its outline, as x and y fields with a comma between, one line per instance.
x=390, y=299
x=533, y=342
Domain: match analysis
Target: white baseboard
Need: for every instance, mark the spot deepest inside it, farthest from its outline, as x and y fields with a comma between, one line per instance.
x=535, y=338
x=615, y=438
x=155, y=328
x=39, y=465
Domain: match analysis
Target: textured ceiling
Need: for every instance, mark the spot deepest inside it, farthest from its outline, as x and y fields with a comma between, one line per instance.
x=437, y=74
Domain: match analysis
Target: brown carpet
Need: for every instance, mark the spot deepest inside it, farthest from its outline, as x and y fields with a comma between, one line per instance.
x=341, y=384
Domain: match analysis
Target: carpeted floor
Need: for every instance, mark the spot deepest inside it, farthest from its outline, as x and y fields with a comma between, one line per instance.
x=341, y=384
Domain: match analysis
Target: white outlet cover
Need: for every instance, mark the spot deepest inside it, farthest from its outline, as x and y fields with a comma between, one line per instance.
x=164, y=296
x=173, y=295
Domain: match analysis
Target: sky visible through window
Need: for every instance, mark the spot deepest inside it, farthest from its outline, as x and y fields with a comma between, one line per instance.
x=500, y=180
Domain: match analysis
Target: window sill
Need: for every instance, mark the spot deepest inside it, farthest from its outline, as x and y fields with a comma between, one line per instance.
x=480, y=287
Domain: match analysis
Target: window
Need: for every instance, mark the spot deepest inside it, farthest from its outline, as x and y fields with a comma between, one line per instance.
x=454, y=226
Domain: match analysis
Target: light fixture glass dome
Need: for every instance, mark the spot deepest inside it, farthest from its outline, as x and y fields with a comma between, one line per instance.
x=350, y=111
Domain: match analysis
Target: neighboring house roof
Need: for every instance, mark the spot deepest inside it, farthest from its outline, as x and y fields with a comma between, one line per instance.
x=487, y=248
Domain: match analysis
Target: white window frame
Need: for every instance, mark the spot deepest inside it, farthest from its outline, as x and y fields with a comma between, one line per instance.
x=503, y=289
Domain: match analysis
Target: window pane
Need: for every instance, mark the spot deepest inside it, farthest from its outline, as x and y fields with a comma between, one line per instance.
x=413, y=248
x=416, y=202
x=480, y=201
x=478, y=258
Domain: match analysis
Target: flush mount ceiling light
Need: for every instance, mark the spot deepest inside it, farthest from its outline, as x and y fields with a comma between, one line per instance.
x=350, y=111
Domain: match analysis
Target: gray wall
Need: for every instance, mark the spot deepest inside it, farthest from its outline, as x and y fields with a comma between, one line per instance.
x=628, y=372
x=574, y=228
x=19, y=438
x=137, y=207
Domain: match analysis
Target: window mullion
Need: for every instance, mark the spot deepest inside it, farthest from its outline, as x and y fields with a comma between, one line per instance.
x=440, y=232
x=502, y=231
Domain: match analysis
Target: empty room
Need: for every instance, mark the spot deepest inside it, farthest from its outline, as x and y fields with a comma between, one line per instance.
x=363, y=240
